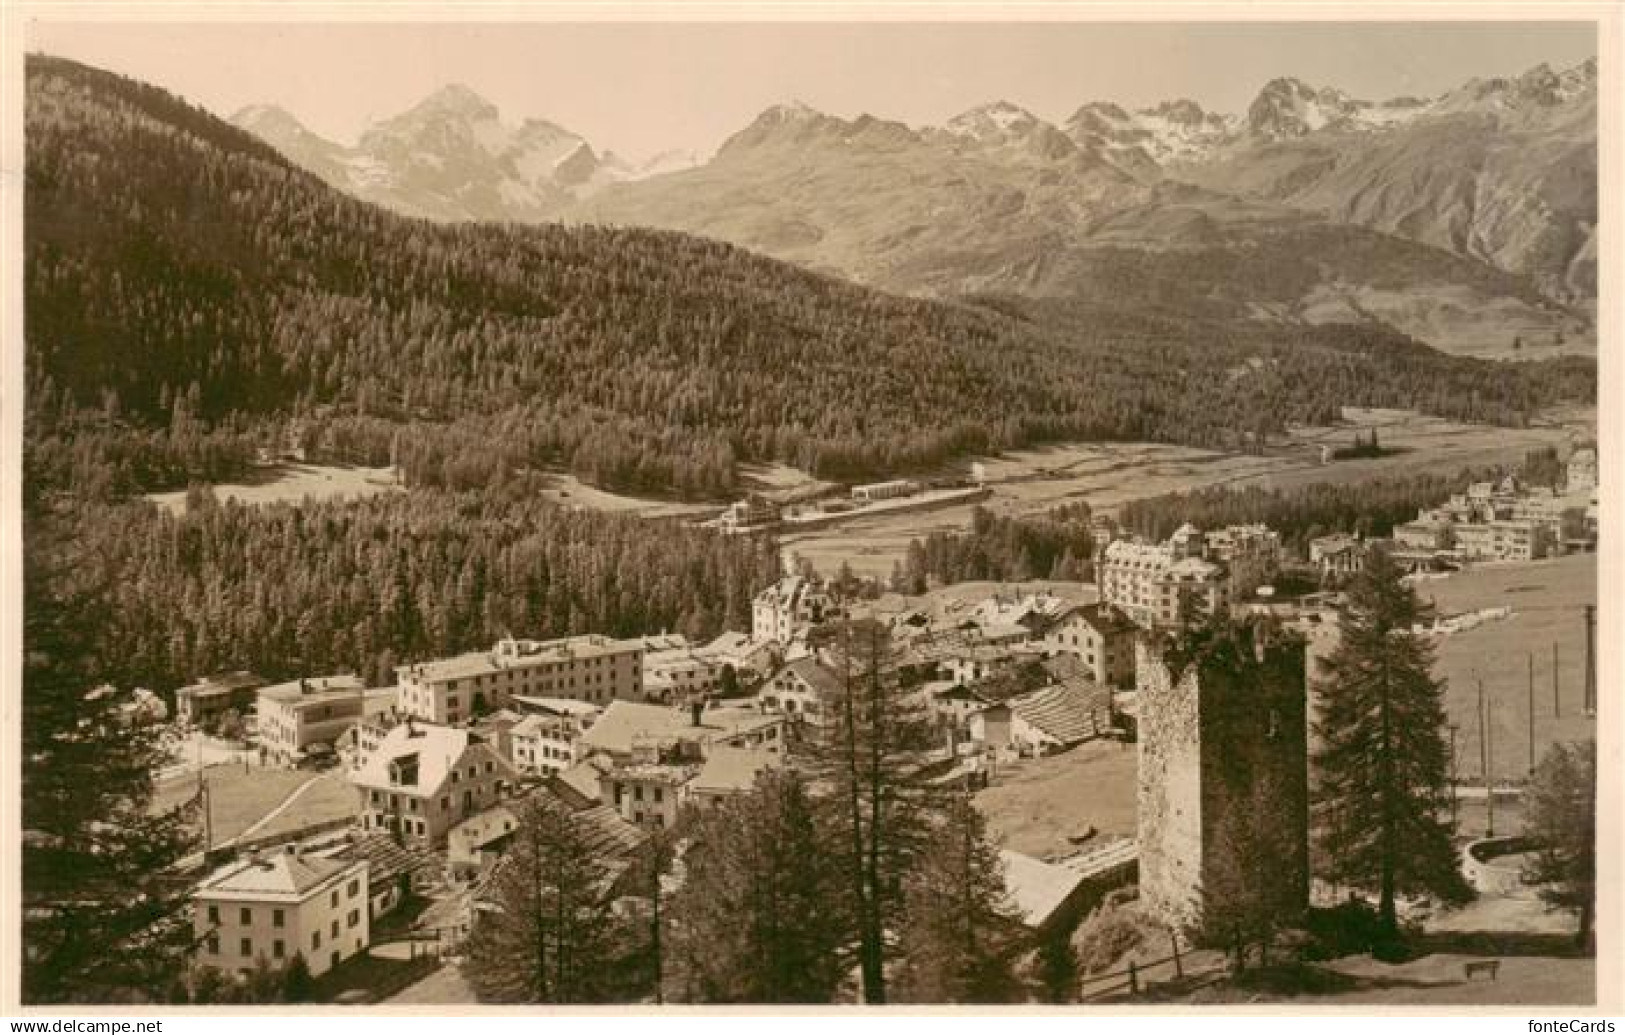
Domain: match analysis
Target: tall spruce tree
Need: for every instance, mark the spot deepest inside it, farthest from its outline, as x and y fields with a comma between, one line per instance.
x=960, y=930
x=546, y=933
x=874, y=739
x=1561, y=817
x=102, y=917
x=757, y=919
x=1382, y=793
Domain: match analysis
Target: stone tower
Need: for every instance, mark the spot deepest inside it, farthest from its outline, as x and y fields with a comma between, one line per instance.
x=1223, y=777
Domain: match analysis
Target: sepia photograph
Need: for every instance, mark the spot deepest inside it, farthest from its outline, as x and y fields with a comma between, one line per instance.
x=535, y=509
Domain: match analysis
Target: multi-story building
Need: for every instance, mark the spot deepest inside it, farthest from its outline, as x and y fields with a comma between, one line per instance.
x=1337, y=555
x=883, y=491
x=1130, y=575
x=1101, y=637
x=802, y=689
x=1504, y=541
x=1223, y=777
x=544, y=740
x=1427, y=534
x=786, y=609
x=594, y=668
x=649, y=790
x=1159, y=584
x=279, y=903
x=1250, y=553
x=204, y=702
x=1581, y=470
x=751, y=513
x=625, y=729
x=750, y=659
x=975, y=664
x=293, y=718
x=680, y=674
x=421, y=780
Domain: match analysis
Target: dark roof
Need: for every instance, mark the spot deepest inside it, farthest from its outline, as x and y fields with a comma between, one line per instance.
x=815, y=675
x=386, y=860
x=1105, y=618
x=1065, y=711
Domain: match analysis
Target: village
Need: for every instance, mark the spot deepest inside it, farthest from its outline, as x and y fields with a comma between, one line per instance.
x=391, y=807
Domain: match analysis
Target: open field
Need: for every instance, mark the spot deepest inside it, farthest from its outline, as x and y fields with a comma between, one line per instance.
x=241, y=797
x=1107, y=475
x=1432, y=980
x=1033, y=805
x=1547, y=598
x=570, y=491
x=292, y=483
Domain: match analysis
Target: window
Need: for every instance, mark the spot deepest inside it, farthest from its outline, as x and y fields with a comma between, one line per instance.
x=333, y=900
x=335, y=928
x=214, y=914
x=214, y=945
x=276, y=919
x=354, y=918
x=247, y=947
x=245, y=916
x=355, y=888
x=659, y=795
x=315, y=939
x=277, y=949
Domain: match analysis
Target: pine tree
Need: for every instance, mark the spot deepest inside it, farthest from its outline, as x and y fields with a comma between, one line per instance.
x=297, y=984
x=545, y=935
x=99, y=908
x=869, y=751
x=1249, y=901
x=758, y=918
x=1561, y=811
x=1382, y=794
x=960, y=930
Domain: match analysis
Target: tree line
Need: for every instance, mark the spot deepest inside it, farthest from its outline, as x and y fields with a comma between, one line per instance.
x=290, y=590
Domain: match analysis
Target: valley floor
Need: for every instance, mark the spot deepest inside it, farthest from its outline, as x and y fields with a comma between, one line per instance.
x=1108, y=475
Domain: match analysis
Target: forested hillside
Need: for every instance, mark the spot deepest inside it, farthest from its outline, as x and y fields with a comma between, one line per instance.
x=305, y=590
x=189, y=294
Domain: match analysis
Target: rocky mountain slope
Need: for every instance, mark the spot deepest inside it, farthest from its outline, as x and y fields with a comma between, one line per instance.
x=453, y=158
x=187, y=287
x=1501, y=170
x=1495, y=181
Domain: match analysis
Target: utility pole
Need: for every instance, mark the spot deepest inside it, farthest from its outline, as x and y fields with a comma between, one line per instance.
x=1484, y=760
x=1455, y=789
x=1557, y=700
x=1531, y=713
x=1591, y=660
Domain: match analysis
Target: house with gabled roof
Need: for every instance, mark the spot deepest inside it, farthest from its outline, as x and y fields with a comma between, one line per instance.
x=277, y=903
x=421, y=780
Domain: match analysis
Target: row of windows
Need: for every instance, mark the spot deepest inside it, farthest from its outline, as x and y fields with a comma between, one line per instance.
x=407, y=826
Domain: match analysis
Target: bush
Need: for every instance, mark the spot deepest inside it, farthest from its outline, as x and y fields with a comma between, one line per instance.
x=1108, y=934
x=1346, y=929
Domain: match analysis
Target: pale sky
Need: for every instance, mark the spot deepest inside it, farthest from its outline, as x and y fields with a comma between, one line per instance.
x=642, y=88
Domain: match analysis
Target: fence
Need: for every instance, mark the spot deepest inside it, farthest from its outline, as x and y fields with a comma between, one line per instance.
x=1131, y=978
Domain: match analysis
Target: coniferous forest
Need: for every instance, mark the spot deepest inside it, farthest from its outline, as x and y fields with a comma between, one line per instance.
x=295, y=590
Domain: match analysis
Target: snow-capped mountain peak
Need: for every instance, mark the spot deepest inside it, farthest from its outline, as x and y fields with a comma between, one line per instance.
x=457, y=100
x=998, y=122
